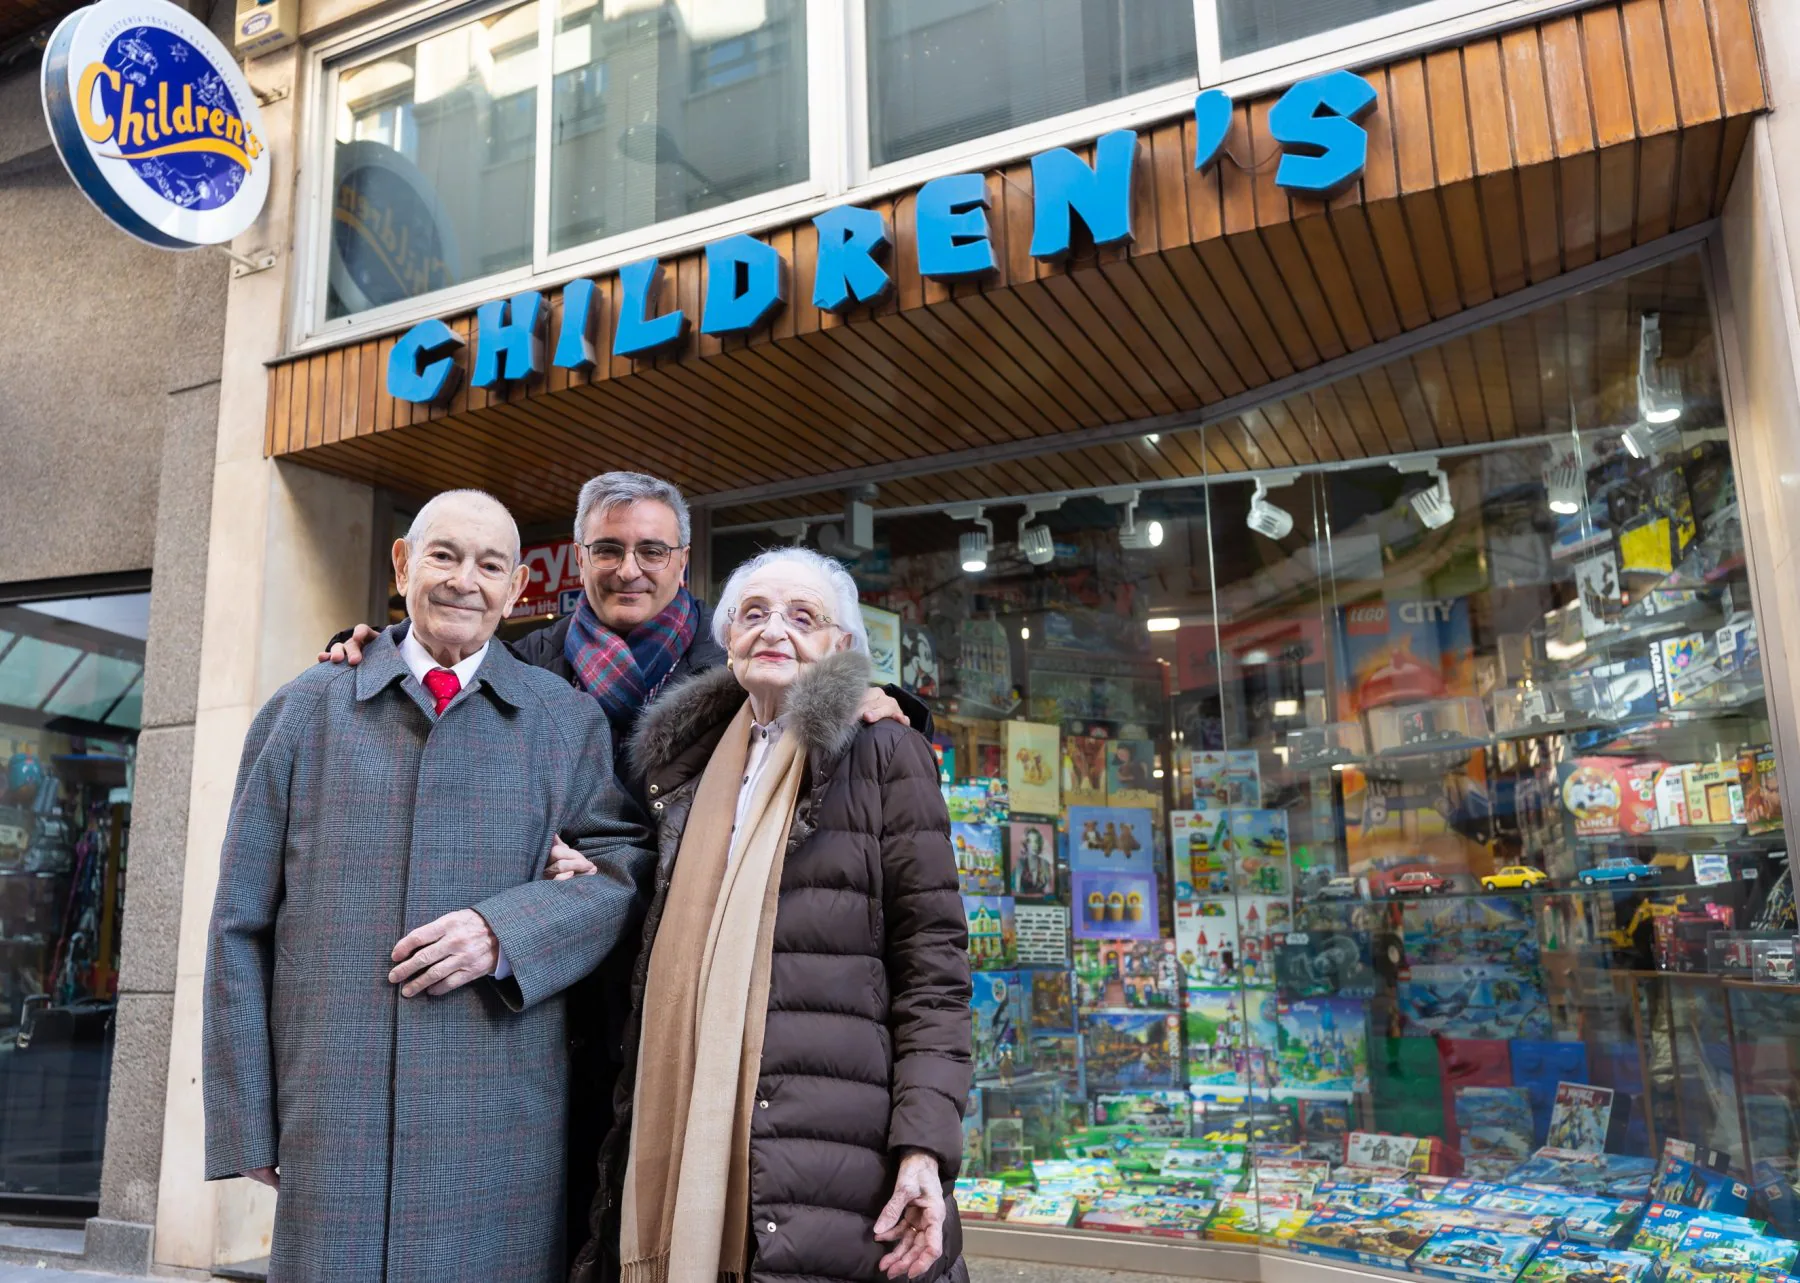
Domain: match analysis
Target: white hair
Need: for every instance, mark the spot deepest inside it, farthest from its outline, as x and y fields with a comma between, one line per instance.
x=612, y=490
x=846, y=607
x=421, y=522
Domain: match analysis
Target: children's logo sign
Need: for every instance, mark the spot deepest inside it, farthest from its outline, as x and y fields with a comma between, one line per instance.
x=155, y=123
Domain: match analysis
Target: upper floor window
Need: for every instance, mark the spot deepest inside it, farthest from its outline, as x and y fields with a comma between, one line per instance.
x=943, y=72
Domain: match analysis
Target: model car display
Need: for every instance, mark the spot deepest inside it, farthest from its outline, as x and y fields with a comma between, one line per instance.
x=1515, y=877
x=1340, y=889
x=1419, y=882
x=1618, y=868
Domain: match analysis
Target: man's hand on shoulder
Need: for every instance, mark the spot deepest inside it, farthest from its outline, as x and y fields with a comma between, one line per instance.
x=350, y=650
x=879, y=706
x=445, y=955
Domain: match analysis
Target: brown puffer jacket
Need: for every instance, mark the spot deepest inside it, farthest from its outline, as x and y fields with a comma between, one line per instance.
x=867, y=1045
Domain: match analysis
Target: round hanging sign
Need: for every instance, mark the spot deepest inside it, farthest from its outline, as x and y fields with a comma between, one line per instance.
x=156, y=123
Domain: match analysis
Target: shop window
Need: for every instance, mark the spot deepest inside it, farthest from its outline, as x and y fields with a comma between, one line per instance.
x=943, y=72
x=667, y=110
x=1247, y=26
x=433, y=155
x=1374, y=856
x=71, y=695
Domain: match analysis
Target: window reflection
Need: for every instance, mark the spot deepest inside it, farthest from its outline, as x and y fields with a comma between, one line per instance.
x=946, y=71
x=435, y=145
x=1249, y=26
x=666, y=109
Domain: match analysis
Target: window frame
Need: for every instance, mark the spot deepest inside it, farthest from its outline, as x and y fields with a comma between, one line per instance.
x=838, y=138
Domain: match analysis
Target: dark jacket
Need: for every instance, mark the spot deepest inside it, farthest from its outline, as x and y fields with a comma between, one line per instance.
x=867, y=1044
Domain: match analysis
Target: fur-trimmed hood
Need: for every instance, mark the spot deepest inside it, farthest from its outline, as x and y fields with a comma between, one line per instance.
x=822, y=706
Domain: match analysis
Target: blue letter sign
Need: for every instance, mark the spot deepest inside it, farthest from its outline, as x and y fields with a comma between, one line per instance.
x=575, y=340
x=951, y=225
x=1063, y=185
x=639, y=334
x=846, y=270
x=1212, y=126
x=507, y=349
x=743, y=285
x=1323, y=147
x=421, y=366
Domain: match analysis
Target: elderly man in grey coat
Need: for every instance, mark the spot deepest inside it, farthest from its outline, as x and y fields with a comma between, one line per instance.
x=384, y=1037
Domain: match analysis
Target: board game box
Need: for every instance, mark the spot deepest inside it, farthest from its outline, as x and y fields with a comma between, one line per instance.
x=1482, y=1255
x=993, y=934
x=1123, y=1049
x=978, y=863
x=1127, y=973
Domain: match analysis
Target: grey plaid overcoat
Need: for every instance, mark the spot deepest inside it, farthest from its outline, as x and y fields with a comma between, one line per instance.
x=417, y=1138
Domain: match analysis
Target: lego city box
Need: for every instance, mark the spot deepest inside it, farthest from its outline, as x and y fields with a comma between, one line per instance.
x=1385, y=1241
x=1483, y=1255
x=1580, y=1263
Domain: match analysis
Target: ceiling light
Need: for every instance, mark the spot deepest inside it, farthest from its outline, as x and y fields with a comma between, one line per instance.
x=1157, y=774
x=1431, y=503
x=974, y=545
x=1287, y=708
x=1563, y=485
x=1162, y=623
x=1649, y=439
x=1134, y=536
x=1659, y=386
x=1025, y=633
x=1265, y=518
x=1255, y=655
x=1036, y=544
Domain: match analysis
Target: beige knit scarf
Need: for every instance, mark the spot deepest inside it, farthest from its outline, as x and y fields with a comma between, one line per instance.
x=686, y=1211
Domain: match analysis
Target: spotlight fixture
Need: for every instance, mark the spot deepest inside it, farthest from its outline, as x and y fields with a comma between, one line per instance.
x=1036, y=543
x=1647, y=440
x=1162, y=623
x=1659, y=388
x=1267, y=519
x=1563, y=485
x=974, y=545
x=1134, y=536
x=1431, y=503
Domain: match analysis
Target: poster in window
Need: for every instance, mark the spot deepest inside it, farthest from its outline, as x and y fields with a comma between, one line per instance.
x=918, y=662
x=1131, y=774
x=1033, y=765
x=1031, y=859
x=884, y=644
x=1084, y=771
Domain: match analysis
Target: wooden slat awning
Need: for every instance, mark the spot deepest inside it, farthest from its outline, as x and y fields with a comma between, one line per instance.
x=22, y=17
x=1498, y=165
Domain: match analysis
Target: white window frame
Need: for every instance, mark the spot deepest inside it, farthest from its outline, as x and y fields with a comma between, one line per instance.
x=838, y=138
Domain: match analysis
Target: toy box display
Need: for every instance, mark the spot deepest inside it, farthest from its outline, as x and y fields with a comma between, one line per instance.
x=1227, y=778
x=1127, y=973
x=1325, y=964
x=978, y=863
x=993, y=935
x=1198, y=854
x=1333, y=744
x=1322, y=1045
x=1131, y=1049
x=1494, y=1127
x=1387, y=1240
x=1112, y=873
x=1152, y=1113
x=1458, y=1253
x=1434, y=726
x=1248, y=1218
x=1482, y=1001
x=1160, y=1216
x=978, y=1199
x=1228, y=1033
x=1042, y=1209
x=1580, y=1263
x=1720, y=1252
x=999, y=1019
x=1546, y=706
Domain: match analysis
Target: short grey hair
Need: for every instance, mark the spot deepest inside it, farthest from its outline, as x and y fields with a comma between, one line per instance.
x=846, y=604
x=612, y=490
x=421, y=522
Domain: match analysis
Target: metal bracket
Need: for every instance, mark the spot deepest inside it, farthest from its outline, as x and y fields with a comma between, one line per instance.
x=266, y=96
x=259, y=260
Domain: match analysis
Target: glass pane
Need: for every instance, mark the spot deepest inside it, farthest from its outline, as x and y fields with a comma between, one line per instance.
x=946, y=71
x=1420, y=894
x=1247, y=26
x=65, y=808
x=434, y=154
x=665, y=109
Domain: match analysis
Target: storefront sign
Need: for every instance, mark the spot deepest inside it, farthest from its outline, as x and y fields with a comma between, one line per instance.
x=1315, y=122
x=155, y=123
x=555, y=584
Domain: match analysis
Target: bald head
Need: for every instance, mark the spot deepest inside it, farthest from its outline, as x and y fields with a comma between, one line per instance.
x=458, y=568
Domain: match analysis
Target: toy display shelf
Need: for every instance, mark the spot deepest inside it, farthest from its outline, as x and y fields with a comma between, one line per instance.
x=1731, y=838
x=1534, y=893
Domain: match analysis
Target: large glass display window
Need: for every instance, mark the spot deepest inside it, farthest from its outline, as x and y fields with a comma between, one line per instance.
x=71, y=704
x=1368, y=816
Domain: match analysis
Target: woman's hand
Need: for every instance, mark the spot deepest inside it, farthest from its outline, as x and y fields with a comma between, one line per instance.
x=566, y=862
x=913, y=1219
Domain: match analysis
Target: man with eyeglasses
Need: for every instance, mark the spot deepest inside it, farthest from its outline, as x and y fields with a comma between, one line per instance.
x=637, y=630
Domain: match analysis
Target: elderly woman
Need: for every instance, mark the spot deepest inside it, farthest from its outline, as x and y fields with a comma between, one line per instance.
x=801, y=1027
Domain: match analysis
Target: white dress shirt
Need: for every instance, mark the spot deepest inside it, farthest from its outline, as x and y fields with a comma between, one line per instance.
x=419, y=660
x=762, y=739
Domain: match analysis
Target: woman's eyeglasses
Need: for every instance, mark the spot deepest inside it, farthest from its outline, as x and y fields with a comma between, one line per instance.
x=607, y=555
x=797, y=615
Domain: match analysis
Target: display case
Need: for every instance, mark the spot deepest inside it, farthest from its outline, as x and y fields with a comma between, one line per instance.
x=1410, y=893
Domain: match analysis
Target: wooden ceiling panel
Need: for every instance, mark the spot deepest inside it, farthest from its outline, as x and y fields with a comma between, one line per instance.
x=1491, y=167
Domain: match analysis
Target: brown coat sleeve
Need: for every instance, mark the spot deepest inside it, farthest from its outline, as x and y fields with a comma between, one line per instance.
x=927, y=959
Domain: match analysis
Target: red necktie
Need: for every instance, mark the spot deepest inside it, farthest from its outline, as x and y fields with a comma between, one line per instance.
x=443, y=685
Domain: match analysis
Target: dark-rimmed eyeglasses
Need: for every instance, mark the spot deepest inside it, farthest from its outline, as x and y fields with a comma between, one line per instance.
x=608, y=554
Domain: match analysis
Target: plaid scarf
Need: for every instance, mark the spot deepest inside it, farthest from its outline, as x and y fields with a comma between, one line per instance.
x=623, y=673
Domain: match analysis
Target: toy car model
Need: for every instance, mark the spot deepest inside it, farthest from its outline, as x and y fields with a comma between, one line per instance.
x=1514, y=877
x=1418, y=882
x=1619, y=868
x=1341, y=889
